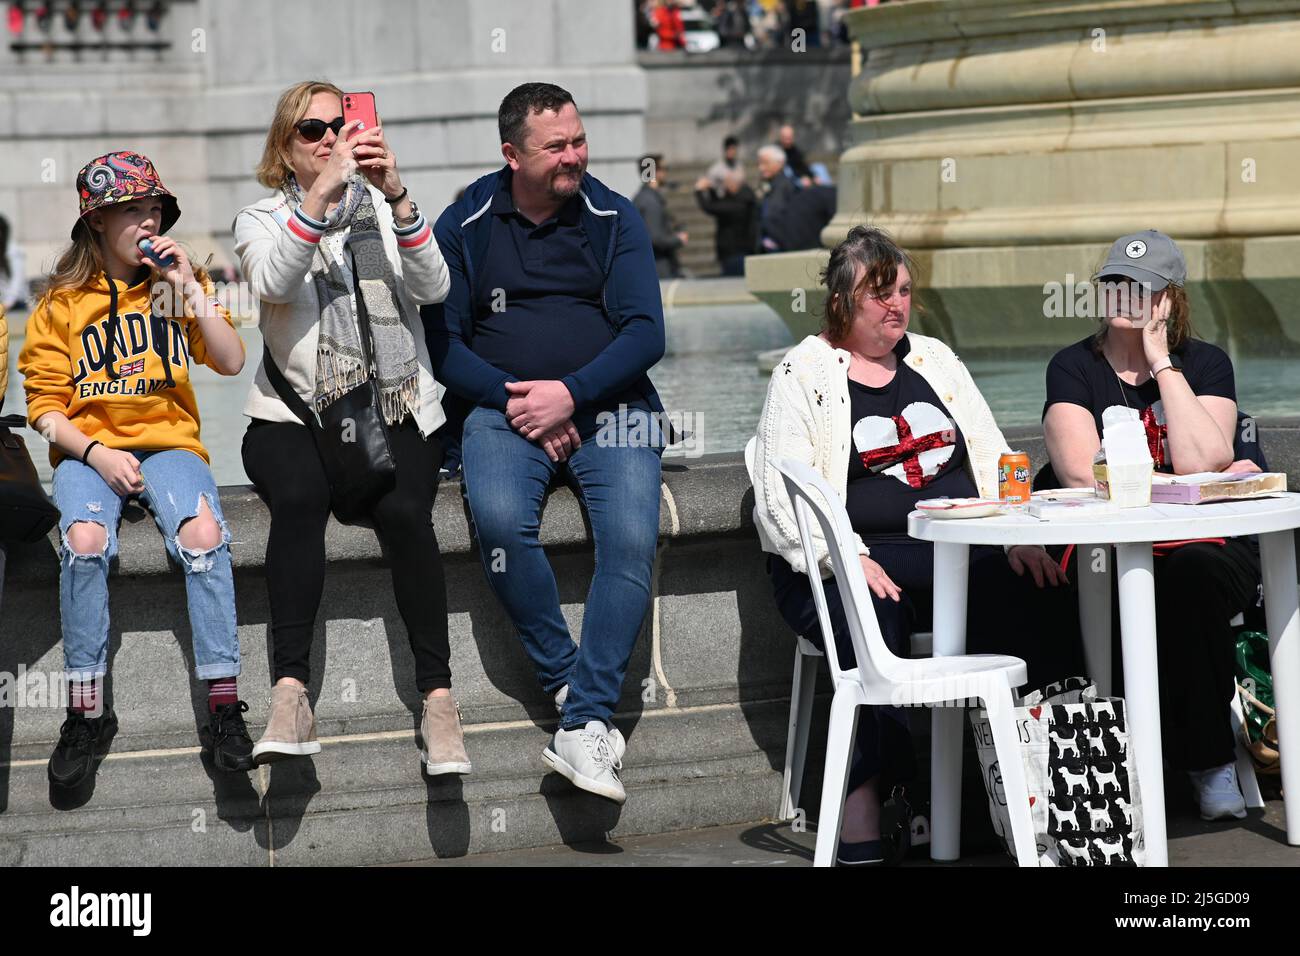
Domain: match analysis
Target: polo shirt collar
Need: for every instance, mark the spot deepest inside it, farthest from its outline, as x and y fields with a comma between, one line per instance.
x=503, y=203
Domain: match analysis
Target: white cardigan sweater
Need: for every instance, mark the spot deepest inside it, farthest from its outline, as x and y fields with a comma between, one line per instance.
x=807, y=417
x=276, y=262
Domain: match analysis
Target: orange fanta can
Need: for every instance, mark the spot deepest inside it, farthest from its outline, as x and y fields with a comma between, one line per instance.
x=1013, y=477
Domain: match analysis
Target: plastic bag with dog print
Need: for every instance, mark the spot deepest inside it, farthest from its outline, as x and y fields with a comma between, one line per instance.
x=1082, y=779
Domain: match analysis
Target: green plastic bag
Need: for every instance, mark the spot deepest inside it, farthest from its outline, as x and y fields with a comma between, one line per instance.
x=1255, y=688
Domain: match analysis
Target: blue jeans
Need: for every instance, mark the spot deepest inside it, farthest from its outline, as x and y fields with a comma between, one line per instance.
x=174, y=482
x=506, y=478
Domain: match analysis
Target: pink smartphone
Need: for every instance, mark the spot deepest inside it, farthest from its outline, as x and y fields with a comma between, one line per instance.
x=360, y=106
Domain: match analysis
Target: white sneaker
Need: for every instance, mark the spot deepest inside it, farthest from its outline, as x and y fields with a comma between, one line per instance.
x=1218, y=793
x=618, y=743
x=615, y=738
x=585, y=757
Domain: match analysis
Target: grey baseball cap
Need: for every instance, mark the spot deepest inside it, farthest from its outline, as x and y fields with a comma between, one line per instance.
x=1148, y=256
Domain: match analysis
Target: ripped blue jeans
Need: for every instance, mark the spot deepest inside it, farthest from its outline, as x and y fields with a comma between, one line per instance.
x=175, y=481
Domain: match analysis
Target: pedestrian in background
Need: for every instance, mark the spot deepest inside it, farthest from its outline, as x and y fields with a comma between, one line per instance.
x=665, y=236
x=735, y=208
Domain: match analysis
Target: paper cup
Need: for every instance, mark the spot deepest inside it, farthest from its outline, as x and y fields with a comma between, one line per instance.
x=1130, y=484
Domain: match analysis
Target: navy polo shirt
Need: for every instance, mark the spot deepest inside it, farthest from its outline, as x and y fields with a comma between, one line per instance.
x=538, y=311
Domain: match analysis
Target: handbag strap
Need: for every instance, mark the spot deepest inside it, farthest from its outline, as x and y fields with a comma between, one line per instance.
x=286, y=391
x=13, y=421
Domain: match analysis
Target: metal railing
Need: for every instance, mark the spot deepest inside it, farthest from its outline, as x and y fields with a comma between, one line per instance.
x=64, y=30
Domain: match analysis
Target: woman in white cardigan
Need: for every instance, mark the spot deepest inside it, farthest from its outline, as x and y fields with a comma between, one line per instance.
x=340, y=232
x=888, y=418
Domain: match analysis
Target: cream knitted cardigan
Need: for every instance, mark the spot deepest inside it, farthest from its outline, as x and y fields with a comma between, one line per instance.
x=807, y=417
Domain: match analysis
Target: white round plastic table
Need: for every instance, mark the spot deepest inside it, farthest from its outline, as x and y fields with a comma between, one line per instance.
x=1132, y=531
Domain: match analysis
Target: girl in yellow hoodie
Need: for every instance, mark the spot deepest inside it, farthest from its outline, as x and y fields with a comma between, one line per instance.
x=106, y=371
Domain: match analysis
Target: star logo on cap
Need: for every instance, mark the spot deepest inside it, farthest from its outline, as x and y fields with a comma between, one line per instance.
x=1136, y=249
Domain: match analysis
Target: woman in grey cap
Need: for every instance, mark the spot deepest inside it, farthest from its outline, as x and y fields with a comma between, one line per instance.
x=1145, y=358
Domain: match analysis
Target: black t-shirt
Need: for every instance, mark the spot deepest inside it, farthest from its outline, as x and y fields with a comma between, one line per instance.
x=906, y=448
x=1080, y=375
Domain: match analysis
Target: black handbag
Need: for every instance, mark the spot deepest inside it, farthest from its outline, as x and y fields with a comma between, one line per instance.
x=350, y=436
x=26, y=511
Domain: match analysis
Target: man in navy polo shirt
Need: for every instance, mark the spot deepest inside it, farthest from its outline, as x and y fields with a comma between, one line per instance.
x=544, y=341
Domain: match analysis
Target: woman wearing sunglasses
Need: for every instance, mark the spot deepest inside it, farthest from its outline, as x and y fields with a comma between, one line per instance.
x=1145, y=358
x=342, y=233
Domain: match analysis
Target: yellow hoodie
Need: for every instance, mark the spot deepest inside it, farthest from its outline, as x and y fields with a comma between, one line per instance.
x=149, y=404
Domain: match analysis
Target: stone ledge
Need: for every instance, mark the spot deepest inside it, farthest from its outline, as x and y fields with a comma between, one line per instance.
x=702, y=498
x=705, y=495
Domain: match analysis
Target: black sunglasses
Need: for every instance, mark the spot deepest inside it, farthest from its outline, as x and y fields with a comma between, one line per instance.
x=313, y=130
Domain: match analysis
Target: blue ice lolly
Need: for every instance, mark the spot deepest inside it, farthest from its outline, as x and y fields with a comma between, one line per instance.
x=165, y=262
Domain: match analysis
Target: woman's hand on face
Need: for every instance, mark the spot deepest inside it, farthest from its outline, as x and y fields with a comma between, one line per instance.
x=1155, y=335
x=1039, y=564
x=377, y=161
x=879, y=582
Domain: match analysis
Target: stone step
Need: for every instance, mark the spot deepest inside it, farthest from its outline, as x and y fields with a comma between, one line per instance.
x=702, y=703
x=364, y=800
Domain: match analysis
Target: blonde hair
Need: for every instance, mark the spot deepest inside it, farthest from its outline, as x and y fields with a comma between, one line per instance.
x=274, y=169
x=77, y=265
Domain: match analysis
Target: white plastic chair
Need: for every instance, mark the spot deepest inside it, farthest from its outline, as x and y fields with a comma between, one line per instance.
x=803, y=689
x=877, y=677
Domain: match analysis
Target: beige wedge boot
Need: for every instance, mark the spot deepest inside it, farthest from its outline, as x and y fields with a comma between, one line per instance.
x=442, y=738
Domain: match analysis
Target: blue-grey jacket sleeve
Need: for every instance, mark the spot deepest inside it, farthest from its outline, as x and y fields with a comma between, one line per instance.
x=639, y=342
x=445, y=325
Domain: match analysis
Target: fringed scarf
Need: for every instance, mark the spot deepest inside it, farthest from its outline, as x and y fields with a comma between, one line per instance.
x=340, y=360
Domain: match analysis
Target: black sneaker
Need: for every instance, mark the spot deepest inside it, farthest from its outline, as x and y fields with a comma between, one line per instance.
x=82, y=742
x=225, y=739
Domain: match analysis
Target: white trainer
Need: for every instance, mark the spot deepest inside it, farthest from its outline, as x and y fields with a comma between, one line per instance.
x=1218, y=793
x=585, y=757
x=615, y=737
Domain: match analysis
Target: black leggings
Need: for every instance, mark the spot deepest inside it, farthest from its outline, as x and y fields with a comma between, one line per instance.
x=1199, y=589
x=282, y=461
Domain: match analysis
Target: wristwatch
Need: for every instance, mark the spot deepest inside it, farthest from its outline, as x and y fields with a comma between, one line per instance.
x=401, y=221
x=1169, y=361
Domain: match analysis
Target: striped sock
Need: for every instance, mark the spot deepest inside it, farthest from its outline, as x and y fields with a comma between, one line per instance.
x=220, y=692
x=83, y=697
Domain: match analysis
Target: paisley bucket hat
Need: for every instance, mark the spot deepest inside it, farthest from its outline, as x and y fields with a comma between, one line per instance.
x=121, y=177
